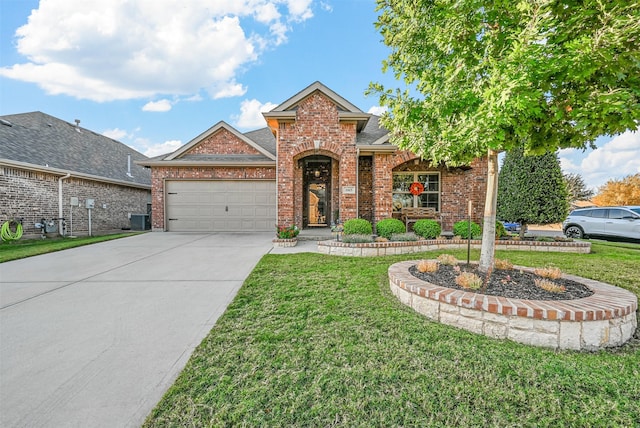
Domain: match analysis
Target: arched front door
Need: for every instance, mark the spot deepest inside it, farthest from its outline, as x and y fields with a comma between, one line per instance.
x=316, y=191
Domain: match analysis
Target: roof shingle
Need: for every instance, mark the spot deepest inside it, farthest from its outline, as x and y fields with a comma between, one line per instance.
x=42, y=140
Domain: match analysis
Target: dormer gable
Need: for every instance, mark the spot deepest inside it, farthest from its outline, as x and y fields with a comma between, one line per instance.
x=286, y=111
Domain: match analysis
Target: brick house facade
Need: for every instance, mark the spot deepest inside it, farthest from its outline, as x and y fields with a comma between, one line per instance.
x=320, y=158
x=45, y=163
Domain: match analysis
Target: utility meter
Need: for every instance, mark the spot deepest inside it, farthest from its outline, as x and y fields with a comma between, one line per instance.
x=91, y=203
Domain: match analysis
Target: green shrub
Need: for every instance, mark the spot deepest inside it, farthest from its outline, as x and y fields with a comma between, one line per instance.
x=500, y=230
x=287, y=232
x=461, y=229
x=357, y=226
x=389, y=226
x=427, y=228
x=357, y=238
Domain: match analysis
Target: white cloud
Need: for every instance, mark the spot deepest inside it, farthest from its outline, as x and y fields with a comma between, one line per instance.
x=150, y=149
x=194, y=98
x=615, y=159
x=157, y=106
x=300, y=9
x=326, y=6
x=162, y=148
x=115, y=50
x=251, y=114
x=116, y=134
x=377, y=110
x=229, y=89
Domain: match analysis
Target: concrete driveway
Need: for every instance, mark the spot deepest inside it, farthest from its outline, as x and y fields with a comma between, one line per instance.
x=93, y=336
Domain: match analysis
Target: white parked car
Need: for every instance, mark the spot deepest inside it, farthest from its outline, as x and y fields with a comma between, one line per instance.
x=615, y=222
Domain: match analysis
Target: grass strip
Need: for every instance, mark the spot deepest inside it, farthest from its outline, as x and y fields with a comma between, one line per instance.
x=313, y=340
x=14, y=250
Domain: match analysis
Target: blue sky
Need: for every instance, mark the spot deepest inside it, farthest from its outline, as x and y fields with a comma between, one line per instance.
x=154, y=74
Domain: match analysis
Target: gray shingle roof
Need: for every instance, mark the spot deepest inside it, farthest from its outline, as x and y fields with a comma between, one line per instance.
x=372, y=133
x=264, y=138
x=42, y=140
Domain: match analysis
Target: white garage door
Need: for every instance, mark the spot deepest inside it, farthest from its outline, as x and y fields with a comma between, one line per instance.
x=220, y=206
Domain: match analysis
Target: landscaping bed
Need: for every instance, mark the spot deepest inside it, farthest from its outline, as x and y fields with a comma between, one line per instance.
x=389, y=248
x=513, y=283
x=590, y=316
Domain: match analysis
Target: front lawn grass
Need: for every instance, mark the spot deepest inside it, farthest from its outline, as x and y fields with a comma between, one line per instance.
x=314, y=341
x=13, y=250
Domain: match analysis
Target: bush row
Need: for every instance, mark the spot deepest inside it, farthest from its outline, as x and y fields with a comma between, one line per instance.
x=389, y=228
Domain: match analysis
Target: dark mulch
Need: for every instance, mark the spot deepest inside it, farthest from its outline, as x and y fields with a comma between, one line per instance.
x=506, y=283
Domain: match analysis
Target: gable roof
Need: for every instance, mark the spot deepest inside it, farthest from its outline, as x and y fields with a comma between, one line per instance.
x=346, y=110
x=370, y=137
x=262, y=140
x=293, y=101
x=42, y=142
x=216, y=128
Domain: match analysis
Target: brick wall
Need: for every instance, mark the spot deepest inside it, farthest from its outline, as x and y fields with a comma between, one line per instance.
x=383, y=186
x=159, y=174
x=365, y=186
x=457, y=186
x=316, y=120
x=223, y=142
x=33, y=195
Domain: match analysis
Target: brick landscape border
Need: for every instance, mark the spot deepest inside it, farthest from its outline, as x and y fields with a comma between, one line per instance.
x=605, y=319
x=372, y=249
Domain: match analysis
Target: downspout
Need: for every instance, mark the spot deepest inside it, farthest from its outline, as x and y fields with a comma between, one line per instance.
x=60, y=213
x=358, y=182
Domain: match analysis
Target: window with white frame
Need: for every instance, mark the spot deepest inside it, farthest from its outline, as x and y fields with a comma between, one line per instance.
x=430, y=196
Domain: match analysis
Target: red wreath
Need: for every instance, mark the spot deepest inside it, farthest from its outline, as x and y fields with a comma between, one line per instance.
x=416, y=188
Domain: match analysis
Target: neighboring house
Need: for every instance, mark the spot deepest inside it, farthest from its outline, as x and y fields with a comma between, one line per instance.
x=581, y=204
x=319, y=159
x=50, y=168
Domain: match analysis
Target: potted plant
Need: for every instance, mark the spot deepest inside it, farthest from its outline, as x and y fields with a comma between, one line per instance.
x=286, y=236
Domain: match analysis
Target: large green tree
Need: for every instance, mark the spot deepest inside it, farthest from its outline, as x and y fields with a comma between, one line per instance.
x=482, y=77
x=531, y=189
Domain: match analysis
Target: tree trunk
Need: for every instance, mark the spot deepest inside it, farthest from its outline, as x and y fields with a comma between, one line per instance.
x=523, y=230
x=488, y=248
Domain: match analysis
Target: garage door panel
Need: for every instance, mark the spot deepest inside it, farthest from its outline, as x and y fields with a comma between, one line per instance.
x=249, y=212
x=265, y=199
x=241, y=198
x=212, y=206
x=192, y=198
x=265, y=225
x=218, y=211
x=218, y=198
x=218, y=225
x=264, y=212
x=235, y=224
x=185, y=212
x=263, y=186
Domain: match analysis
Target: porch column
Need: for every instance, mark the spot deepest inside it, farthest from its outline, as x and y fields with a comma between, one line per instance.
x=382, y=186
x=348, y=181
x=285, y=181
